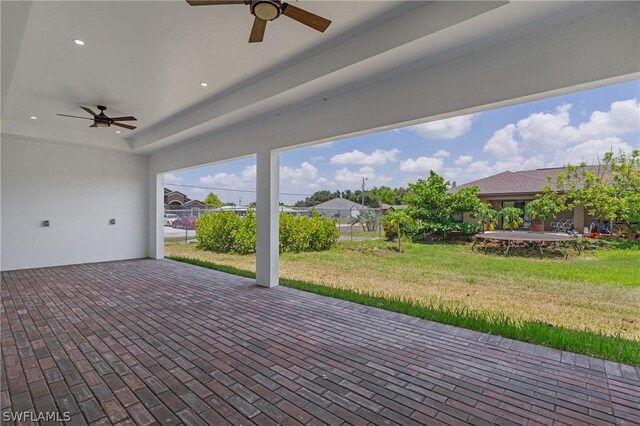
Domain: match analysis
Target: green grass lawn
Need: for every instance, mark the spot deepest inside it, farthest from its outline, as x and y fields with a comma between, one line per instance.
x=589, y=304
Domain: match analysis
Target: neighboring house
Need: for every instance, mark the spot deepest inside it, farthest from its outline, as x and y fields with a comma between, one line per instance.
x=386, y=208
x=176, y=200
x=242, y=210
x=516, y=189
x=339, y=208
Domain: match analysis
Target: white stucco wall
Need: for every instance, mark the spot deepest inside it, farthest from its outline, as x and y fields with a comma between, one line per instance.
x=78, y=190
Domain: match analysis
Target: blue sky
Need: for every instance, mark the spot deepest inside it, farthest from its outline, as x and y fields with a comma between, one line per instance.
x=546, y=133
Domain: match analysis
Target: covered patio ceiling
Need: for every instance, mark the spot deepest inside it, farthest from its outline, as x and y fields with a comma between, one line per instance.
x=148, y=59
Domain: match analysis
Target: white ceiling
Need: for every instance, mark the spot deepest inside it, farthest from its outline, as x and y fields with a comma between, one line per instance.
x=148, y=58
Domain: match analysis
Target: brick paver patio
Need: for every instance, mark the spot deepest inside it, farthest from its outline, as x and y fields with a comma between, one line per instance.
x=156, y=341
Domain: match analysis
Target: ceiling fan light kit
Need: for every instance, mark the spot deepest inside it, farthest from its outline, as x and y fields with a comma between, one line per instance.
x=102, y=120
x=265, y=9
x=269, y=10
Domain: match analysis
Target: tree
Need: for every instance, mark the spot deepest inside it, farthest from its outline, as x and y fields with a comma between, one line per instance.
x=433, y=206
x=212, y=201
x=542, y=209
x=609, y=191
x=317, y=198
x=385, y=195
x=431, y=201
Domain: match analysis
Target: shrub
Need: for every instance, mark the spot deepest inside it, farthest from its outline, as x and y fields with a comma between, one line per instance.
x=511, y=217
x=225, y=232
x=449, y=229
x=487, y=215
x=392, y=220
x=217, y=231
x=245, y=235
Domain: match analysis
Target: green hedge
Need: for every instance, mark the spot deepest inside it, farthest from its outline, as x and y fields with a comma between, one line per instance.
x=225, y=232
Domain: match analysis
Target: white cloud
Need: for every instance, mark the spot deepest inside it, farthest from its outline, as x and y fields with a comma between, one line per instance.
x=441, y=153
x=622, y=118
x=462, y=160
x=449, y=128
x=227, y=181
x=590, y=151
x=421, y=165
x=543, y=129
x=249, y=172
x=502, y=144
x=376, y=158
x=317, y=158
x=304, y=176
x=354, y=179
x=171, y=178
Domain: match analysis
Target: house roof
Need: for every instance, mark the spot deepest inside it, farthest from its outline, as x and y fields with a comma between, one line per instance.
x=521, y=182
x=338, y=204
x=385, y=206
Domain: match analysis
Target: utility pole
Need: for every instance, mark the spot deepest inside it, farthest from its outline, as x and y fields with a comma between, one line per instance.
x=363, y=180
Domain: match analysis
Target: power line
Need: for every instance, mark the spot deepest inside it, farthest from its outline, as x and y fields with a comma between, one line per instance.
x=230, y=190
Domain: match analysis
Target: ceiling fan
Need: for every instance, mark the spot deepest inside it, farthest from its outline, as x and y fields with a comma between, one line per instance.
x=268, y=10
x=101, y=120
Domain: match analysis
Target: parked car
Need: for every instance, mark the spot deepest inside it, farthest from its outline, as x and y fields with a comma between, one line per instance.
x=188, y=222
x=170, y=218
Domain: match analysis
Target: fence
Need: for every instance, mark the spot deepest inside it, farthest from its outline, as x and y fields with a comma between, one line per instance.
x=354, y=224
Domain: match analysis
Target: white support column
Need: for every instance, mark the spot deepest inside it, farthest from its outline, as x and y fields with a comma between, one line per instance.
x=156, y=215
x=267, y=218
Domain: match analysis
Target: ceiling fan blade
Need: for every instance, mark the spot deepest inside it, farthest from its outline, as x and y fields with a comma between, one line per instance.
x=127, y=118
x=257, y=31
x=307, y=18
x=75, y=116
x=126, y=126
x=214, y=2
x=89, y=111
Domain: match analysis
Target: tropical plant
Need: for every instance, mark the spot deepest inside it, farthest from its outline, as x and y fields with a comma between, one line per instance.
x=542, y=209
x=487, y=216
x=511, y=218
x=367, y=218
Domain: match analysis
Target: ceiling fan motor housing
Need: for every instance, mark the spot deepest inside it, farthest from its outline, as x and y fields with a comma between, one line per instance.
x=267, y=10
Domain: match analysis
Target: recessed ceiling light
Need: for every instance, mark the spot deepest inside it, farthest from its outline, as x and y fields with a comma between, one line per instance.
x=78, y=42
x=33, y=117
x=118, y=131
x=204, y=84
